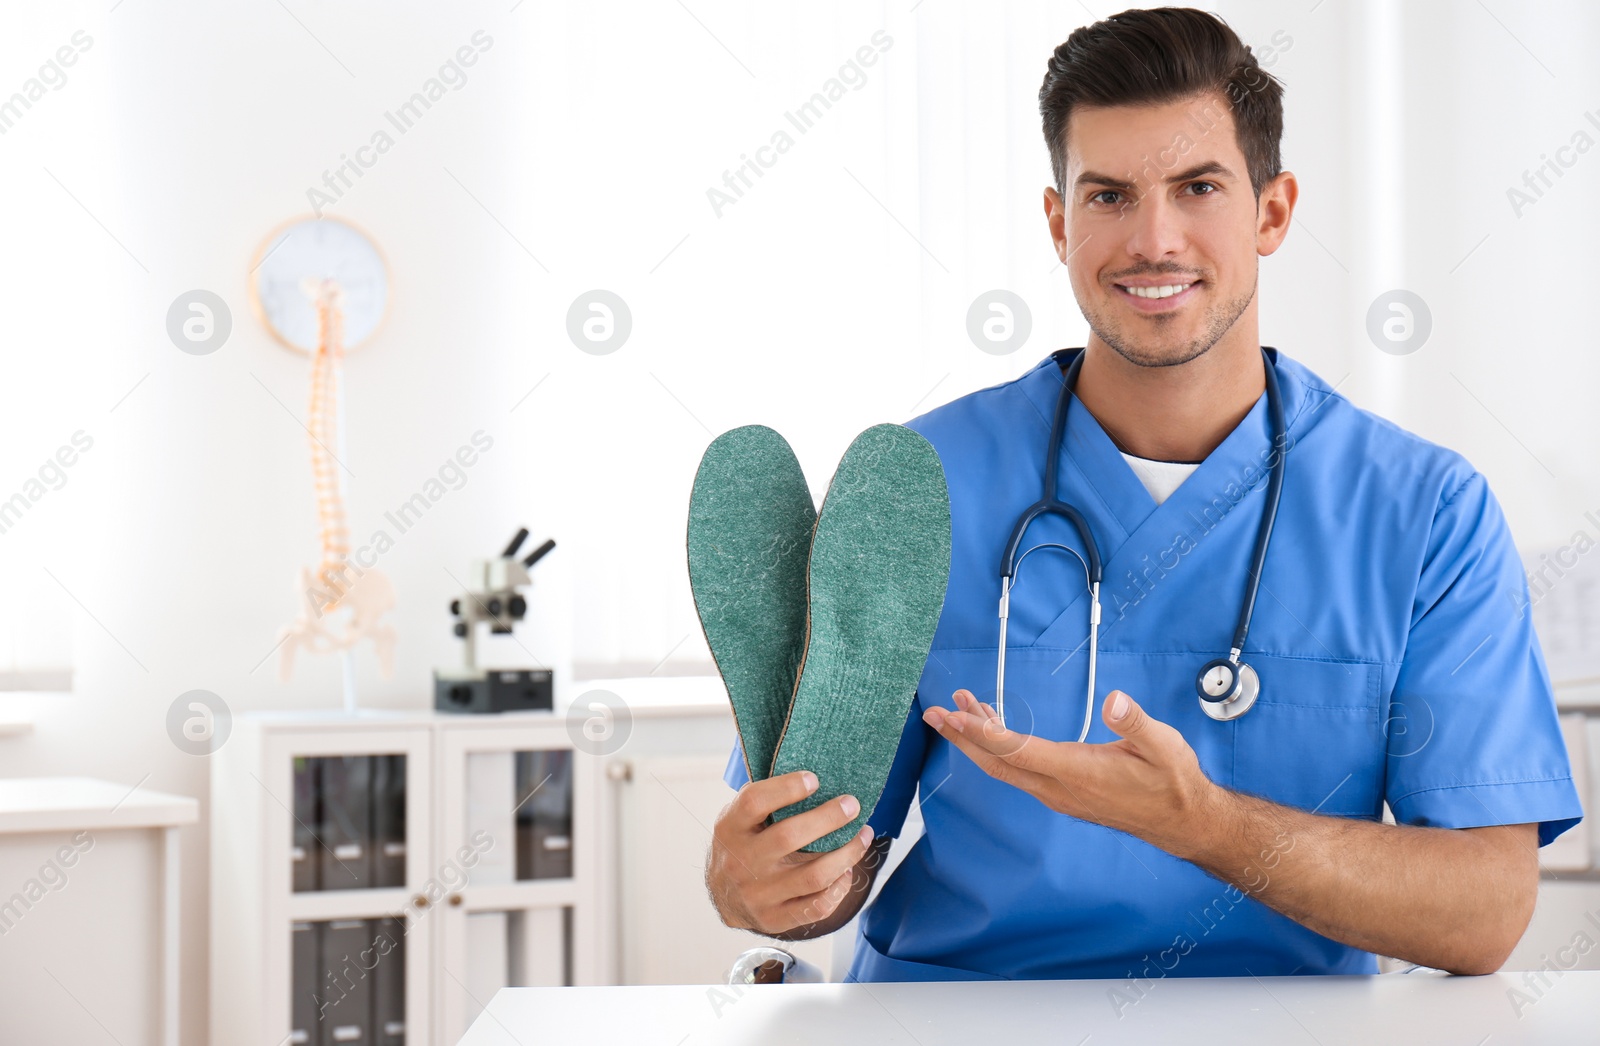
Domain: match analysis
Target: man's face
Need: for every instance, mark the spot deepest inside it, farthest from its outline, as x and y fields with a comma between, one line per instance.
x=1131, y=230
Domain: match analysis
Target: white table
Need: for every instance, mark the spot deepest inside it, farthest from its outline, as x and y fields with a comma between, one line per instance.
x=98, y=945
x=1392, y=1008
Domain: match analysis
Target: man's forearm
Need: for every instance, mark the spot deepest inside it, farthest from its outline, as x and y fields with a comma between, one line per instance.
x=1456, y=899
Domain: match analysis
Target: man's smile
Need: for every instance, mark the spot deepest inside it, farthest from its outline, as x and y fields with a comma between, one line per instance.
x=1155, y=296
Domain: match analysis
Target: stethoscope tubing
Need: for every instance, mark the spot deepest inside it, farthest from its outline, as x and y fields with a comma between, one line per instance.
x=1093, y=565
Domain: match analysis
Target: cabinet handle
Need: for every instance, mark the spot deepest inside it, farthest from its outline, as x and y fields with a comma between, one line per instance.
x=619, y=770
x=455, y=900
x=421, y=900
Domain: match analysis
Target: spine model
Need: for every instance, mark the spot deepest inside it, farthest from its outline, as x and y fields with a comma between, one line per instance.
x=323, y=425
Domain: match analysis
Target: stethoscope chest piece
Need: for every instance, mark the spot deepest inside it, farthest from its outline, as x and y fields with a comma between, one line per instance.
x=1227, y=688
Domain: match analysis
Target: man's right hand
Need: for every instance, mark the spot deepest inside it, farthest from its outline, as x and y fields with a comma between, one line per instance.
x=760, y=879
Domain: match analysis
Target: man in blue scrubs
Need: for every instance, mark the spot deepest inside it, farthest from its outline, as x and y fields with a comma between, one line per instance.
x=1397, y=663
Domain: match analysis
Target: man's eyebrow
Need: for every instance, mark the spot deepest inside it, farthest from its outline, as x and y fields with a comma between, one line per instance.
x=1199, y=170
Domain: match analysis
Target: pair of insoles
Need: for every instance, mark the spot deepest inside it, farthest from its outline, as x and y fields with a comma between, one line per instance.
x=820, y=623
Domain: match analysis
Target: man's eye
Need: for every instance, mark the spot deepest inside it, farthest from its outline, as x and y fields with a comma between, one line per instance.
x=1210, y=185
x=1096, y=198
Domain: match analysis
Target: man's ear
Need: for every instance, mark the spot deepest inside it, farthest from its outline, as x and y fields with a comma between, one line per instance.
x=1273, y=212
x=1056, y=218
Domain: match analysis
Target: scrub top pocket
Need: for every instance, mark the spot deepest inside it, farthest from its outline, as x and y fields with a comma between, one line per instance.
x=1315, y=738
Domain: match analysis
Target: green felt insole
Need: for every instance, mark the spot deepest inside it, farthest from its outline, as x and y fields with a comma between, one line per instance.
x=750, y=522
x=879, y=564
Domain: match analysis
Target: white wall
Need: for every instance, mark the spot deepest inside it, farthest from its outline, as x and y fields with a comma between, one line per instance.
x=831, y=297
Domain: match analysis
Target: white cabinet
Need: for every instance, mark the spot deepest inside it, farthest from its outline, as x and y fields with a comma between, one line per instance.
x=89, y=916
x=413, y=904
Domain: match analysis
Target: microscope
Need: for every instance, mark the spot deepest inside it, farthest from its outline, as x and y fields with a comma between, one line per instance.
x=492, y=598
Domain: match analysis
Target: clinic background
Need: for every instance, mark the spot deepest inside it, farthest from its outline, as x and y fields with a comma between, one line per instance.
x=831, y=294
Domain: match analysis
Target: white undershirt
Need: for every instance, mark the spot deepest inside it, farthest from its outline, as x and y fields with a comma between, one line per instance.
x=1160, y=478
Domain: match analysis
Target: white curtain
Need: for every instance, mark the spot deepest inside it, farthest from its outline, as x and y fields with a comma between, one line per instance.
x=53, y=120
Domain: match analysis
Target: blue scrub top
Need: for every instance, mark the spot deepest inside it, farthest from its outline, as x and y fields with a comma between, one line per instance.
x=1397, y=662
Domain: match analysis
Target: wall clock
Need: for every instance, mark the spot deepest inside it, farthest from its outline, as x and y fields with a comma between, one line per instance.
x=295, y=258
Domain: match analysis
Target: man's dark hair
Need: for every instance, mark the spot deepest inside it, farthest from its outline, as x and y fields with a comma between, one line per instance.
x=1156, y=56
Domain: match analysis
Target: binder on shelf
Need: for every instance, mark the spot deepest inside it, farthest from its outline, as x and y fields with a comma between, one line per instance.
x=347, y=951
x=544, y=818
x=303, y=983
x=303, y=851
x=346, y=850
x=388, y=820
x=552, y=851
x=389, y=982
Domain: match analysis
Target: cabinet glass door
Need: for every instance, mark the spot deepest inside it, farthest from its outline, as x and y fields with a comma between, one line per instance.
x=349, y=822
x=347, y=810
x=517, y=815
x=348, y=982
x=520, y=948
x=543, y=814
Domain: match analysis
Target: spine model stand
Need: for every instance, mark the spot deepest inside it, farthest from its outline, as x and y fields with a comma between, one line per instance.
x=336, y=584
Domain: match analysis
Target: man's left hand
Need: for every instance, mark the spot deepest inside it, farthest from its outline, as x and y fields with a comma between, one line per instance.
x=1148, y=783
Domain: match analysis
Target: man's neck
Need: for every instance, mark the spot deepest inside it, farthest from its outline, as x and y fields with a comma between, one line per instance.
x=1175, y=413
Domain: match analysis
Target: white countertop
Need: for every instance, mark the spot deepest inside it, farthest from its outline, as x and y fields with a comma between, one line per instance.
x=1332, y=1011
x=47, y=804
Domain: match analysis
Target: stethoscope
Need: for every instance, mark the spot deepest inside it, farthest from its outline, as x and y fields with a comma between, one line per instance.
x=1227, y=686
